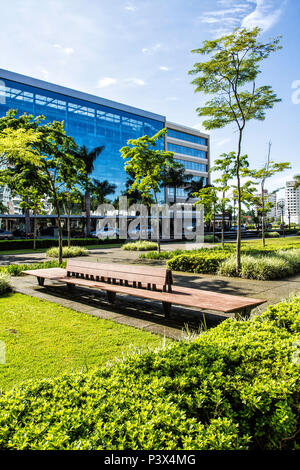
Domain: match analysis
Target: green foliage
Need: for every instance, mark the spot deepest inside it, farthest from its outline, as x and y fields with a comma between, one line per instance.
x=67, y=252
x=234, y=387
x=16, y=269
x=4, y=282
x=211, y=239
x=140, y=245
x=43, y=243
x=261, y=267
x=272, y=235
x=197, y=263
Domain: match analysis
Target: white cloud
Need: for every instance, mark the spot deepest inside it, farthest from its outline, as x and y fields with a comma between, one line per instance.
x=106, y=82
x=164, y=68
x=135, y=81
x=172, y=98
x=66, y=50
x=130, y=7
x=152, y=49
x=247, y=13
x=45, y=74
x=265, y=15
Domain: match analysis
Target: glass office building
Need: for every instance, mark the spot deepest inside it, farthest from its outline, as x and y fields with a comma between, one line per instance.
x=93, y=121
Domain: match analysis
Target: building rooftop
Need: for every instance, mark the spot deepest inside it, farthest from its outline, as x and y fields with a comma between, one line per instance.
x=26, y=80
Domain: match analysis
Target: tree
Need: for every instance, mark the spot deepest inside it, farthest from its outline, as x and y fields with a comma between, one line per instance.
x=194, y=186
x=148, y=166
x=269, y=169
x=233, y=64
x=88, y=157
x=208, y=198
x=3, y=208
x=54, y=155
x=225, y=166
x=99, y=191
x=27, y=181
x=175, y=177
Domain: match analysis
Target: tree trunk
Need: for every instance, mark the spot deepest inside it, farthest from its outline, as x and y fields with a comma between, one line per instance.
x=223, y=226
x=34, y=230
x=69, y=230
x=158, y=225
x=88, y=213
x=239, y=207
x=60, y=235
x=263, y=217
x=27, y=219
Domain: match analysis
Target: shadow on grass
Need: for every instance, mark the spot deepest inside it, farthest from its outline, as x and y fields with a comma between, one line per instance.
x=135, y=308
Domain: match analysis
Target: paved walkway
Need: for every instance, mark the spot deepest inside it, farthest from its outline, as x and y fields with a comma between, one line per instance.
x=145, y=314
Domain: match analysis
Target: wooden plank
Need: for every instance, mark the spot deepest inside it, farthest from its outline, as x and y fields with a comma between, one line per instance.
x=201, y=299
x=157, y=272
x=112, y=274
x=51, y=273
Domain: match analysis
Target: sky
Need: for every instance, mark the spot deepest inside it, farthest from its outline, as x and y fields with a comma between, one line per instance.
x=139, y=53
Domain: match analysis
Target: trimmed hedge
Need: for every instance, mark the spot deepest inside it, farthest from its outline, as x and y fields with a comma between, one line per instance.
x=68, y=252
x=140, y=245
x=6, y=245
x=272, y=235
x=206, y=262
x=16, y=269
x=4, y=283
x=234, y=387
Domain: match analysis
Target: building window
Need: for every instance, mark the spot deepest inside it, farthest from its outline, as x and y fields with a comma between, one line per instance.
x=192, y=165
x=186, y=150
x=188, y=137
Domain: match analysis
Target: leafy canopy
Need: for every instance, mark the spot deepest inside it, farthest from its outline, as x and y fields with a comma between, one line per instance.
x=233, y=63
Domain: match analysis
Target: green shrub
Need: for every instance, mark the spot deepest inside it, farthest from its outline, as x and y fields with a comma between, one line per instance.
x=262, y=267
x=234, y=387
x=206, y=262
x=272, y=235
x=4, y=283
x=286, y=315
x=140, y=245
x=16, y=269
x=68, y=252
x=211, y=239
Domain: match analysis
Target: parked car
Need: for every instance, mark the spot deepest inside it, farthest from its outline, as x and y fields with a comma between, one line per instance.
x=138, y=233
x=105, y=232
x=5, y=235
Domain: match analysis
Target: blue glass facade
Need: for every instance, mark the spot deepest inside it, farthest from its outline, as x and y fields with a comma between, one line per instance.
x=186, y=150
x=188, y=137
x=89, y=123
x=192, y=165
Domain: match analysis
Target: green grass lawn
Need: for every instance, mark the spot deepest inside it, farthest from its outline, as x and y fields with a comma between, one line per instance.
x=43, y=339
x=280, y=243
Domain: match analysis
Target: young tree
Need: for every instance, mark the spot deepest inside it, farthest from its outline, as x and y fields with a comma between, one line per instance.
x=54, y=155
x=88, y=157
x=208, y=198
x=175, y=177
x=225, y=165
x=99, y=191
x=234, y=64
x=193, y=186
x=148, y=165
x=27, y=181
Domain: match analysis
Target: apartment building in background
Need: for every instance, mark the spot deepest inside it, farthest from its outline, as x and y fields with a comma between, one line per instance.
x=292, y=203
x=93, y=121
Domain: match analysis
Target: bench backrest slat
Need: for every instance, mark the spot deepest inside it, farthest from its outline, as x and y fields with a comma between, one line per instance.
x=142, y=276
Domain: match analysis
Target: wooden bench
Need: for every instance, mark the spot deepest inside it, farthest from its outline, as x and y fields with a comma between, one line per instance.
x=144, y=282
